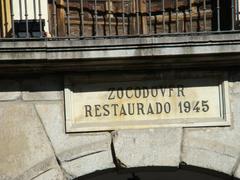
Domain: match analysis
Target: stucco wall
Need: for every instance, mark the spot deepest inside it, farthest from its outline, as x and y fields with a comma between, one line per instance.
x=34, y=145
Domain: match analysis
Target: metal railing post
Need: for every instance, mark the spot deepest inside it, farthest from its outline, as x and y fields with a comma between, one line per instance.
x=82, y=19
x=137, y=15
x=204, y=15
x=40, y=18
x=68, y=19
x=218, y=16
x=26, y=18
x=109, y=18
x=123, y=16
x=190, y=16
x=20, y=9
x=233, y=16
x=54, y=18
x=12, y=19
x=150, y=16
x=177, y=11
x=163, y=15
x=95, y=31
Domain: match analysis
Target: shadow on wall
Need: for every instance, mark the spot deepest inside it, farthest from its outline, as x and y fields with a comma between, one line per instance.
x=158, y=173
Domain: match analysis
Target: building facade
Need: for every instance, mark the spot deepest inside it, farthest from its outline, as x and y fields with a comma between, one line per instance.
x=89, y=86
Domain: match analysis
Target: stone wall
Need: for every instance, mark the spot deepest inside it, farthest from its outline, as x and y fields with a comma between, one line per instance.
x=34, y=145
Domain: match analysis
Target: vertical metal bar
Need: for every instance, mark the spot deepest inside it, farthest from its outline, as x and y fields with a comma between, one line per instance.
x=5, y=18
x=177, y=10
x=82, y=17
x=123, y=17
x=109, y=18
x=26, y=18
x=20, y=9
x=95, y=18
x=150, y=16
x=163, y=15
x=54, y=17
x=137, y=14
x=68, y=19
x=237, y=10
x=40, y=17
x=12, y=18
x=190, y=15
x=233, y=18
x=204, y=15
x=218, y=15
x=34, y=9
x=129, y=19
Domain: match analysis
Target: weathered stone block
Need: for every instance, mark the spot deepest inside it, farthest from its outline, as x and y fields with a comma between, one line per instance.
x=204, y=150
x=42, y=88
x=214, y=148
x=149, y=147
x=237, y=173
x=25, y=151
x=9, y=90
x=236, y=88
x=79, y=154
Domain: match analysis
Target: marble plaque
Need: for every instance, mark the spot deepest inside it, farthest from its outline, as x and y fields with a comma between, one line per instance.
x=117, y=104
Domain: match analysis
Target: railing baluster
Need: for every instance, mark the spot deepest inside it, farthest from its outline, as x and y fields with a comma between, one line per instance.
x=150, y=16
x=109, y=18
x=184, y=20
x=34, y=9
x=129, y=19
x=237, y=10
x=82, y=18
x=68, y=20
x=54, y=17
x=40, y=17
x=233, y=18
x=204, y=15
x=163, y=15
x=137, y=14
x=123, y=17
x=12, y=19
x=95, y=18
x=177, y=10
x=218, y=15
x=20, y=9
x=190, y=16
x=26, y=18
x=142, y=14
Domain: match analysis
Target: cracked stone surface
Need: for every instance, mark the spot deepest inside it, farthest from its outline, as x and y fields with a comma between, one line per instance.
x=79, y=153
x=215, y=148
x=25, y=151
x=52, y=174
x=148, y=147
x=88, y=164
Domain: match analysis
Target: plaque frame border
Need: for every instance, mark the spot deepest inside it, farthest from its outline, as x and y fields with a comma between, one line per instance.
x=70, y=127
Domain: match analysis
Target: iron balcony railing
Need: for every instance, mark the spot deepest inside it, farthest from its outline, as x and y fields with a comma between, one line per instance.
x=69, y=19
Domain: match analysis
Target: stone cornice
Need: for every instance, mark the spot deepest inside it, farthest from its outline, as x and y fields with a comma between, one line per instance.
x=133, y=53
